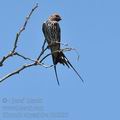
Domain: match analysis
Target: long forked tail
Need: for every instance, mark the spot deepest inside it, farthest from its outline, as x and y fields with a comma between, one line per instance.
x=64, y=60
x=56, y=75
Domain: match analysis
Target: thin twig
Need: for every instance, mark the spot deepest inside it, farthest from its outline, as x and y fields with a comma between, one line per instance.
x=43, y=50
x=25, y=58
x=35, y=61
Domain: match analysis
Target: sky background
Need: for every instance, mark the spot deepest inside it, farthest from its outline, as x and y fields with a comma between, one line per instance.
x=90, y=26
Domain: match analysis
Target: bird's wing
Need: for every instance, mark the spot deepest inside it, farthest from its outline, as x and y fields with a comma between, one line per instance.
x=57, y=33
x=44, y=29
x=54, y=29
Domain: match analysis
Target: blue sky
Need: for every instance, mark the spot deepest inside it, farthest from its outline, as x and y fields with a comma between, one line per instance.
x=90, y=26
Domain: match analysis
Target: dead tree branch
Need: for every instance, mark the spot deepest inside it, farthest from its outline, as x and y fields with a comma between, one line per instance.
x=23, y=28
x=25, y=58
x=34, y=62
x=12, y=53
x=16, y=72
x=21, y=69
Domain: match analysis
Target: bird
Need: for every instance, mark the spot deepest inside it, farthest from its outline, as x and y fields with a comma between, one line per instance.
x=52, y=33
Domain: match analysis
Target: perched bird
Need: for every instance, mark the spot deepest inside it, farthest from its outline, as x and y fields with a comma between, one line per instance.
x=52, y=33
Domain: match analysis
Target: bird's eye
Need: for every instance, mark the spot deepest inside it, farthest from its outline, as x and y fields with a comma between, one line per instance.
x=57, y=15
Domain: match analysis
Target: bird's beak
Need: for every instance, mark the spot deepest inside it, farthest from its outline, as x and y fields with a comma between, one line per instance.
x=60, y=18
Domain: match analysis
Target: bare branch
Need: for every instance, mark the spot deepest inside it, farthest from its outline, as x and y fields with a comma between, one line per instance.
x=23, y=68
x=16, y=71
x=23, y=28
x=25, y=58
x=36, y=62
x=43, y=50
x=5, y=57
x=12, y=53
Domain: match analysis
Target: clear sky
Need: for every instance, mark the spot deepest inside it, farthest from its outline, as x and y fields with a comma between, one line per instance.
x=90, y=26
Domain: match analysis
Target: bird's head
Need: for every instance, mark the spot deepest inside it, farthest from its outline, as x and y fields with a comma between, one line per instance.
x=55, y=17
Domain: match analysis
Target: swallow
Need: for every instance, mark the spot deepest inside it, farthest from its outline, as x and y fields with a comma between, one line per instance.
x=52, y=34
